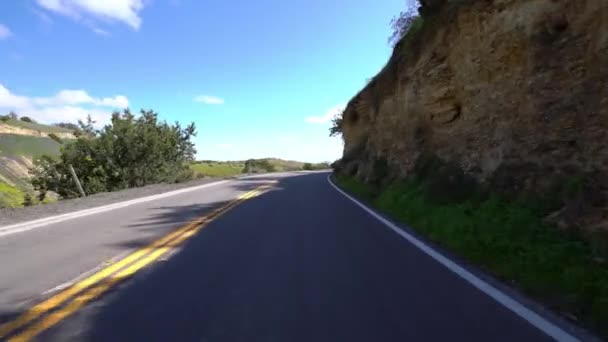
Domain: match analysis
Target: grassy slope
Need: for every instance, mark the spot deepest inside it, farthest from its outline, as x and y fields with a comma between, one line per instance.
x=36, y=126
x=218, y=169
x=285, y=165
x=10, y=196
x=509, y=241
x=232, y=168
x=29, y=146
x=21, y=146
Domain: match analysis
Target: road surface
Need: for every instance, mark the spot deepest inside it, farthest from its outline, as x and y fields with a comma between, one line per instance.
x=294, y=260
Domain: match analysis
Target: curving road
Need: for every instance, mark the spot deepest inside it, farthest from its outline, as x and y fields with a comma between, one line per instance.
x=281, y=257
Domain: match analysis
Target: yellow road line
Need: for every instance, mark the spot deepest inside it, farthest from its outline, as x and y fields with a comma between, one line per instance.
x=61, y=297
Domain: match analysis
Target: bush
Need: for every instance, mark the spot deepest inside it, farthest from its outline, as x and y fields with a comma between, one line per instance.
x=129, y=152
x=402, y=23
x=55, y=138
x=258, y=166
x=27, y=119
x=28, y=200
x=67, y=125
x=307, y=166
x=336, y=125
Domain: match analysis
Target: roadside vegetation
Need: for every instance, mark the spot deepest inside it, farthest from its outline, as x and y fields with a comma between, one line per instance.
x=507, y=238
x=28, y=123
x=132, y=151
x=211, y=168
x=29, y=146
x=129, y=152
x=10, y=196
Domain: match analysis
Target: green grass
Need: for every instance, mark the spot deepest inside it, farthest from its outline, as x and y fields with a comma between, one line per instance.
x=25, y=145
x=10, y=196
x=507, y=240
x=36, y=126
x=217, y=169
x=212, y=168
x=281, y=165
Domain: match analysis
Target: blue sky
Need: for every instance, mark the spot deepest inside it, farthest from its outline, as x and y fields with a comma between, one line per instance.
x=259, y=78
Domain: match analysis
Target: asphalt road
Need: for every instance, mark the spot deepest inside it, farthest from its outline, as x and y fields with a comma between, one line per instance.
x=299, y=262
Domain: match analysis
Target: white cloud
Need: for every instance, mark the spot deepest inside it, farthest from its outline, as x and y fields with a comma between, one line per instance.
x=208, y=99
x=100, y=31
x=66, y=105
x=328, y=116
x=125, y=11
x=5, y=33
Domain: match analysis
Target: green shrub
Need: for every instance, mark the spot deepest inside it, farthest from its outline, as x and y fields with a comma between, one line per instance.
x=10, y=196
x=27, y=119
x=55, y=138
x=129, y=152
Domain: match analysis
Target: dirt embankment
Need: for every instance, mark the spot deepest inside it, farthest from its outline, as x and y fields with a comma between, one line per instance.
x=8, y=129
x=515, y=93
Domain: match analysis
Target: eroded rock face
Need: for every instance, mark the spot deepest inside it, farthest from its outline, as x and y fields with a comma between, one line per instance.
x=513, y=91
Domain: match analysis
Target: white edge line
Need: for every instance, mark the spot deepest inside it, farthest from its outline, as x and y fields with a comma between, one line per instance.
x=25, y=226
x=530, y=316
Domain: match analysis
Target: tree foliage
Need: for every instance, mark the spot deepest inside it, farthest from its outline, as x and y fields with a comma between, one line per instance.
x=27, y=119
x=402, y=23
x=336, y=125
x=258, y=166
x=56, y=138
x=131, y=151
x=67, y=125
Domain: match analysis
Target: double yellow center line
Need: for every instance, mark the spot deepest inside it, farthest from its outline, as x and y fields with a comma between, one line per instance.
x=97, y=284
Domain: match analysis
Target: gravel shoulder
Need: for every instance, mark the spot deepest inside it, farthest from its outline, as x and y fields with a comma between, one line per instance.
x=16, y=215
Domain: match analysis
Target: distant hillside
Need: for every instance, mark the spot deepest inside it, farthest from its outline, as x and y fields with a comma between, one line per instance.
x=36, y=127
x=20, y=143
x=212, y=168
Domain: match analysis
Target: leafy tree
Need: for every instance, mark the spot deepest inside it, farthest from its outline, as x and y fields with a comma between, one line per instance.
x=307, y=166
x=258, y=166
x=129, y=152
x=402, y=23
x=28, y=201
x=13, y=116
x=429, y=7
x=67, y=125
x=56, y=138
x=87, y=127
x=336, y=125
x=27, y=119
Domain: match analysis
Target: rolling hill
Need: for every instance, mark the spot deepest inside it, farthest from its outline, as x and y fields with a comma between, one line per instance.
x=20, y=143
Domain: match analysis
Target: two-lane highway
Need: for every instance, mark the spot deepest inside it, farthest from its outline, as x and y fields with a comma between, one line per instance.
x=276, y=258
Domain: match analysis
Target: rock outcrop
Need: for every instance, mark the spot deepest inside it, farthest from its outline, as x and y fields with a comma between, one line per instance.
x=515, y=92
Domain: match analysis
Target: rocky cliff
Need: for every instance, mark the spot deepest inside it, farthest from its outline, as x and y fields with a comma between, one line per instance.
x=514, y=92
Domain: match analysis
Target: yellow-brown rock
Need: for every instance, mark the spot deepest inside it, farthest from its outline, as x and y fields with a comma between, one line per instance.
x=512, y=86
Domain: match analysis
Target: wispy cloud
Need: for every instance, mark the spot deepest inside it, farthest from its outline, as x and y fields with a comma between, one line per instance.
x=208, y=99
x=100, y=31
x=5, y=33
x=328, y=116
x=87, y=11
x=66, y=105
